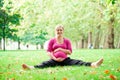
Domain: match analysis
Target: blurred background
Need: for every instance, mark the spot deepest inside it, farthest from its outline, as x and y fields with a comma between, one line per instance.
x=29, y=24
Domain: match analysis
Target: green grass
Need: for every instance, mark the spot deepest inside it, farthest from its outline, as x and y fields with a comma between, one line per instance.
x=10, y=66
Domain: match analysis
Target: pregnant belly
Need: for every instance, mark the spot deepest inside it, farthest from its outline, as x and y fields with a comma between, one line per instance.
x=60, y=54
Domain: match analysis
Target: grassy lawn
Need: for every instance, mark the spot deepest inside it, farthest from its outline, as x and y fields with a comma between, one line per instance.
x=10, y=66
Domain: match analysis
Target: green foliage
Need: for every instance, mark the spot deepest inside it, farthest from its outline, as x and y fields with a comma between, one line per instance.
x=40, y=39
x=7, y=19
x=3, y=18
x=34, y=38
x=26, y=38
x=1, y=3
x=79, y=17
x=111, y=1
x=15, y=19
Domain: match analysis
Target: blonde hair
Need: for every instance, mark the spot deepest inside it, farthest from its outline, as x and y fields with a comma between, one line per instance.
x=59, y=26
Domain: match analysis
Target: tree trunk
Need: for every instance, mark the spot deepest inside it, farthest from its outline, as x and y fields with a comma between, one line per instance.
x=18, y=44
x=0, y=45
x=97, y=39
x=3, y=38
x=118, y=44
x=42, y=46
x=110, y=40
x=3, y=30
x=85, y=43
x=82, y=41
x=105, y=42
x=90, y=45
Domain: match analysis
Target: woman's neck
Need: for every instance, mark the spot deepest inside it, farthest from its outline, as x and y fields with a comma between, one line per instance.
x=59, y=39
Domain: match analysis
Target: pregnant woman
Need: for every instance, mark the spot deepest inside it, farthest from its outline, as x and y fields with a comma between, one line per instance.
x=58, y=49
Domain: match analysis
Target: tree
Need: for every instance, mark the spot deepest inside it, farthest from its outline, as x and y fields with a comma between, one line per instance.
x=110, y=18
x=7, y=19
x=80, y=18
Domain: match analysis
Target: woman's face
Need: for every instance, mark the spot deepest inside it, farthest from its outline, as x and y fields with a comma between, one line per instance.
x=59, y=31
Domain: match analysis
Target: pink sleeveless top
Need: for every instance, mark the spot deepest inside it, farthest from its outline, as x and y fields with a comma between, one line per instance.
x=52, y=45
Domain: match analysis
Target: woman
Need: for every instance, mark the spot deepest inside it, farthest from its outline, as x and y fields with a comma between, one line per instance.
x=58, y=49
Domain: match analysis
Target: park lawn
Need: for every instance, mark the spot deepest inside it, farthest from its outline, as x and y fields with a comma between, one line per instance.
x=11, y=61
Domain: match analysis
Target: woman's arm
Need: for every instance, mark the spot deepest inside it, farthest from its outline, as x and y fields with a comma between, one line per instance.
x=67, y=51
x=50, y=54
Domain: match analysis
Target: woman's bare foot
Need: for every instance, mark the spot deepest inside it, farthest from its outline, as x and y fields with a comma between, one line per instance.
x=24, y=66
x=97, y=63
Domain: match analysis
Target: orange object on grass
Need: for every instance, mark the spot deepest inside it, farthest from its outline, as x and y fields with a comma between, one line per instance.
x=112, y=77
x=64, y=79
x=24, y=66
x=106, y=71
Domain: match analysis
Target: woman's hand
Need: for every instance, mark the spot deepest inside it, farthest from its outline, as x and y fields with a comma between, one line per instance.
x=63, y=50
x=58, y=49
